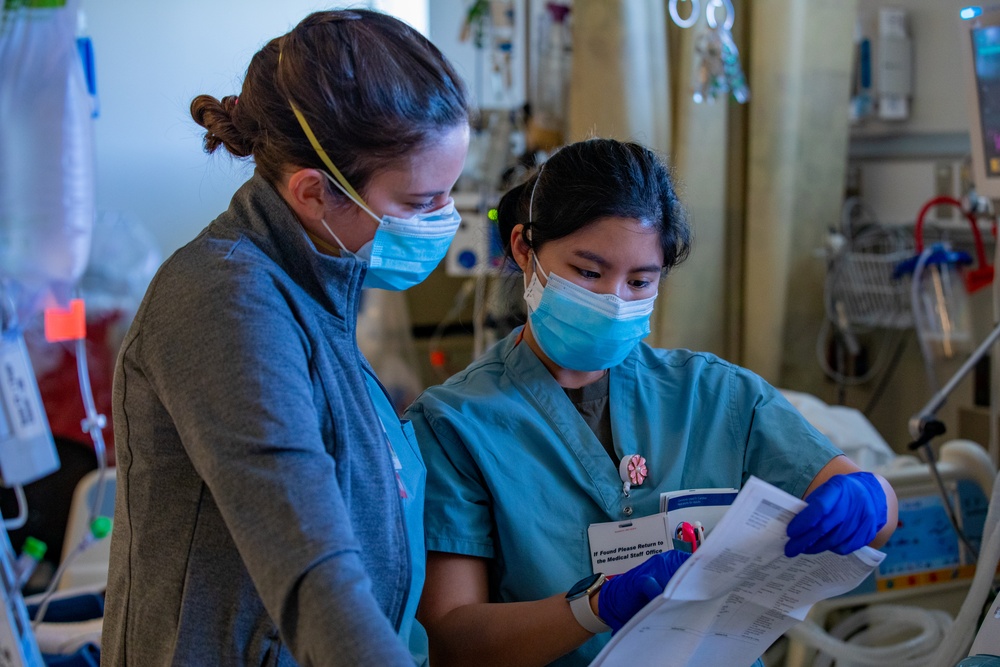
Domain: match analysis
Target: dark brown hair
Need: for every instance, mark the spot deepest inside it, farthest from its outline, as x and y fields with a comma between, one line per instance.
x=371, y=88
x=598, y=178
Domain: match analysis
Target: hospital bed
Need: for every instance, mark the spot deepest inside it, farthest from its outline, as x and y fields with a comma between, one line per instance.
x=927, y=572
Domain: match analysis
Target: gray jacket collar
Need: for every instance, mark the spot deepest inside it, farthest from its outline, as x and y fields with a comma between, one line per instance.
x=259, y=214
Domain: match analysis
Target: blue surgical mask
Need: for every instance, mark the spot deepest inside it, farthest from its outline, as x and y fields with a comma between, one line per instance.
x=404, y=251
x=581, y=330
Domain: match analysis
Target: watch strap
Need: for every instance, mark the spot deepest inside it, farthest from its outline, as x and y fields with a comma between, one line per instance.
x=585, y=616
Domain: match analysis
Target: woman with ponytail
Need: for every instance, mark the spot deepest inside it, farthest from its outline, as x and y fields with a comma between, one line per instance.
x=269, y=501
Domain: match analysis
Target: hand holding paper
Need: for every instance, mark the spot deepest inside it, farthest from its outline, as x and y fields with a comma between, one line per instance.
x=621, y=597
x=843, y=515
x=738, y=593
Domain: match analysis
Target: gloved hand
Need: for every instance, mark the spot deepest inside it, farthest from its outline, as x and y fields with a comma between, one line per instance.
x=625, y=594
x=843, y=515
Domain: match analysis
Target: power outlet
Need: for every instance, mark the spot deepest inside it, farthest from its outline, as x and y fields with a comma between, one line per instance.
x=944, y=186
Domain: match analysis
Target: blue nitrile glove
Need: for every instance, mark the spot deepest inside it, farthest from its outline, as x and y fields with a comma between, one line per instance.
x=625, y=594
x=843, y=515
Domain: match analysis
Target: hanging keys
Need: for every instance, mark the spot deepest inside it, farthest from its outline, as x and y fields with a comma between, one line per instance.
x=735, y=78
x=717, y=60
x=709, y=79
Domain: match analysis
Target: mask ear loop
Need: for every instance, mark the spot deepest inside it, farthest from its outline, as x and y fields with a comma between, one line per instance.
x=531, y=219
x=338, y=178
x=335, y=237
x=531, y=200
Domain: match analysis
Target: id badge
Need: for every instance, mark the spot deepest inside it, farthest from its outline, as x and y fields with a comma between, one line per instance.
x=618, y=546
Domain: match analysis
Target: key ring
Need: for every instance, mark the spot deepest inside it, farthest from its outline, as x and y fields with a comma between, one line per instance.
x=713, y=7
x=691, y=19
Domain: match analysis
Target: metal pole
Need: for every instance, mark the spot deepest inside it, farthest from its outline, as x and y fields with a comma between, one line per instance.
x=928, y=411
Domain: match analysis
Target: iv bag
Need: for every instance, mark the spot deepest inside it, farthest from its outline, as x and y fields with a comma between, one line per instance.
x=47, y=188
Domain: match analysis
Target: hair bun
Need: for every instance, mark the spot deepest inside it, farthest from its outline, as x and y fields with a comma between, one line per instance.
x=220, y=129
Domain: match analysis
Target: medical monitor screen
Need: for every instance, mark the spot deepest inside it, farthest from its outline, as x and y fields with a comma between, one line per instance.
x=986, y=63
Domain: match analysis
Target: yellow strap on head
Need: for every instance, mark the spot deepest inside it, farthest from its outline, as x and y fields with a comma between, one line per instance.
x=345, y=186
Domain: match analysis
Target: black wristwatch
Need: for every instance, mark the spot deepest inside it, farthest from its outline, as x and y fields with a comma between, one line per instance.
x=579, y=603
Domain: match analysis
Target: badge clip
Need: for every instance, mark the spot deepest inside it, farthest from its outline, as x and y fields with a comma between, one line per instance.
x=632, y=471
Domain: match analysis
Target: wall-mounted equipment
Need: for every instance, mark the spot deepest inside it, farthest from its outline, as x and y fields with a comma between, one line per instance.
x=981, y=51
x=895, y=64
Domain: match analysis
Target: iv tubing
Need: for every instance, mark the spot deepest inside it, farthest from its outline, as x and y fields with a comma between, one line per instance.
x=994, y=445
x=22, y=510
x=92, y=424
x=918, y=230
x=929, y=625
x=916, y=307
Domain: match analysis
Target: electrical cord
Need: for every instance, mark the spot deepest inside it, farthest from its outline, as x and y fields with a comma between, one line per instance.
x=434, y=344
x=855, y=302
x=931, y=430
x=822, y=340
x=479, y=318
x=890, y=371
x=98, y=530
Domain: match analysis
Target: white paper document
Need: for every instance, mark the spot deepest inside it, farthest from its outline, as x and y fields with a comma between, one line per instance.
x=738, y=593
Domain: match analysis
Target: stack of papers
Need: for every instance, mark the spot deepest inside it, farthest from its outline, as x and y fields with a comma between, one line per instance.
x=738, y=593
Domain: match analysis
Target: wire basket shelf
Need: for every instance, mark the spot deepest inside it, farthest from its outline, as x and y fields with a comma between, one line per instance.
x=861, y=289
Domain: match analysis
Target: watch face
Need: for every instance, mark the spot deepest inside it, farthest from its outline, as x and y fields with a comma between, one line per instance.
x=580, y=587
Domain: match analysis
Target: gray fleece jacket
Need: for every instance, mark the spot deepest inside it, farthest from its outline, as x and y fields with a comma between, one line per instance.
x=257, y=517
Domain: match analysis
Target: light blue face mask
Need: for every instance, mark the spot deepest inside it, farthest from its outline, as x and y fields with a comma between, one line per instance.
x=404, y=251
x=581, y=330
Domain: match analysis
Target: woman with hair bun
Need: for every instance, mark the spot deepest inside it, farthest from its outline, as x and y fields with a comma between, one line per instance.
x=269, y=502
x=538, y=452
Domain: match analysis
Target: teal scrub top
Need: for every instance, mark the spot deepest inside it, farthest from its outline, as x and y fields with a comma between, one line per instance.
x=515, y=475
x=412, y=481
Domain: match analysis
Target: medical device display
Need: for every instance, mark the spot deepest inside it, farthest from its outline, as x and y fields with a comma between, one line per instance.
x=924, y=549
x=981, y=50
